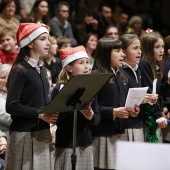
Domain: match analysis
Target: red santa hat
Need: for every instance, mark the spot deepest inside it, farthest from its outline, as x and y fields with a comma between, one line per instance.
x=27, y=32
x=70, y=54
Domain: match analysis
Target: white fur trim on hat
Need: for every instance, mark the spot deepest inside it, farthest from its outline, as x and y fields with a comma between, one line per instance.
x=75, y=56
x=33, y=36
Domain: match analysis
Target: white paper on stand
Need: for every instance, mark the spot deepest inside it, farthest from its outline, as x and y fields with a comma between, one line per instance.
x=135, y=97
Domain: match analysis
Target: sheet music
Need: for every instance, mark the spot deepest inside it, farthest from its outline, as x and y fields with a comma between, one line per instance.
x=153, y=90
x=135, y=97
x=154, y=86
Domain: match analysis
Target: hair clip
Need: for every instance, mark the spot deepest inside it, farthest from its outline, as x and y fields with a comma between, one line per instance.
x=148, y=30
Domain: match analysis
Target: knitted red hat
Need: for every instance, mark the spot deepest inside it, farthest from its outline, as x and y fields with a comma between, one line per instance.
x=27, y=32
x=70, y=54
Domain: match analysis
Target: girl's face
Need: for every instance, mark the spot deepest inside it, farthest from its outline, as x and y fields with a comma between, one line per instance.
x=53, y=48
x=40, y=46
x=43, y=8
x=158, y=50
x=117, y=57
x=92, y=42
x=79, y=66
x=133, y=53
x=3, y=80
x=8, y=43
x=9, y=10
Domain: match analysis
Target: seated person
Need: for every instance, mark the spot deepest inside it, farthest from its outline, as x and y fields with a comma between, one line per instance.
x=8, y=52
x=3, y=144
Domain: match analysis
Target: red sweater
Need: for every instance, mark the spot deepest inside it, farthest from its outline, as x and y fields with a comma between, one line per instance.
x=8, y=58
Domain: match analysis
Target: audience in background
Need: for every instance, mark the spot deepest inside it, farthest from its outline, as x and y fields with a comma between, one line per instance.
x=9, y=49
x=122, y=23
x=135, y=26
x=62, y=42
x=50, y=61
x=90, y=44
x=60, y=25
x=7, y=18
x=39, y=12
x=83, y=27
x=74, y=23
x=104, y=19
x=3, y=144
x=5, y=118
x=111, y=32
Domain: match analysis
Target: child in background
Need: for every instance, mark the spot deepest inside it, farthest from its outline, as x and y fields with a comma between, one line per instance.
x=8, y=52
x=152, y=46
x=62, y=42
x=74, y=61
x=90, y=43
x=50, y=61
x=29, y=145
x=111, y=101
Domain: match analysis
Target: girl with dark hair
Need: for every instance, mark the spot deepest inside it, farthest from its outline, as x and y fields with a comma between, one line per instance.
x=29, y=145
x=40, y=12
x=111, y=101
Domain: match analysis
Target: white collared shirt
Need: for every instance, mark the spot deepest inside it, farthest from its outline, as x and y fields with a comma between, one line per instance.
x=35, y=64
x=115, y=71
x=134, y=69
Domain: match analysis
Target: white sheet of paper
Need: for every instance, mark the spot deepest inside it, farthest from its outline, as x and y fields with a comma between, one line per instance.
x=135, y=97
x=154, y=86
x=142, y=156
x=153, y=89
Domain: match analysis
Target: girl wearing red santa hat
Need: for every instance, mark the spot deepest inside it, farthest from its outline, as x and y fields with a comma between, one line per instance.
x=29, y=143
x=74, y=61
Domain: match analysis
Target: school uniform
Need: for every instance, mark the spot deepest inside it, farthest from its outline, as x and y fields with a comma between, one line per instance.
x=64, y=138
x=110, y=130
x=147, y=81
x=54, y=68
x=166, y=95
x=133, y=125
x=29, y=144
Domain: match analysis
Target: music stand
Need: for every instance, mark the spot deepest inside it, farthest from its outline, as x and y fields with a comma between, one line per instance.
x=74, y=96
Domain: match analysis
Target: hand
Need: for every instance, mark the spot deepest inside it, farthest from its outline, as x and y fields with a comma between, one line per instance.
x=94, y=22
x=169, y=77
x=162, y=122
x=3, y=144
x=134, y=112
x=150, y=98
x=88, y=113
x=50, y=118
x=121, y=112
x=165, y=113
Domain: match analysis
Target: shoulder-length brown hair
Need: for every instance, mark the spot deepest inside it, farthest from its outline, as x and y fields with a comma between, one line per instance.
x=147, y=45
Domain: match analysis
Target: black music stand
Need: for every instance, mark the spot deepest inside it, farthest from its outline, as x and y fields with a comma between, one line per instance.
x=74, y=96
